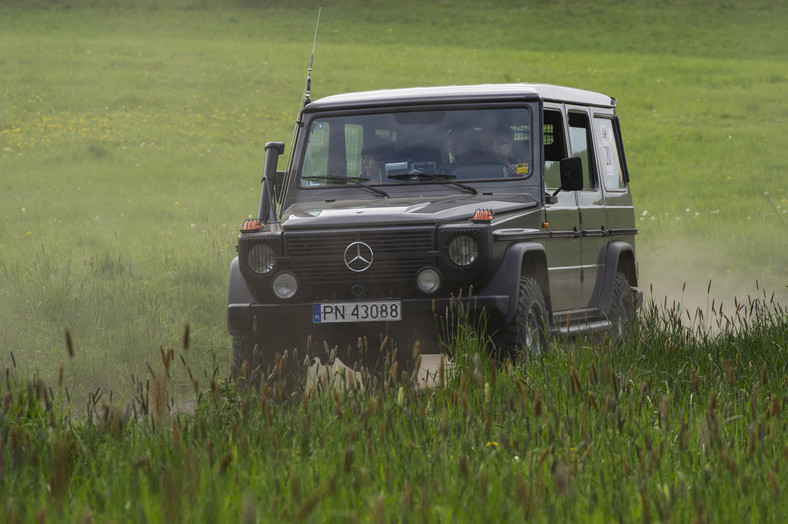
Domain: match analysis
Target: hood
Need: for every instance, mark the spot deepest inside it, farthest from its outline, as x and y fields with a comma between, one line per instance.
x=400, y=211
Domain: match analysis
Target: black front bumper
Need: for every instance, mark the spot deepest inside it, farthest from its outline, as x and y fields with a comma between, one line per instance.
x=424, y=325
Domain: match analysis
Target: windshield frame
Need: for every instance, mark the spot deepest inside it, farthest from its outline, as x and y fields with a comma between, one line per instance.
x=527, y=123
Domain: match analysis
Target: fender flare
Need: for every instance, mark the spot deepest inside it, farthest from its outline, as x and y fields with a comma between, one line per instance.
x=619, y=257
x=524, y=258
x=238, y=298
x=238, y=292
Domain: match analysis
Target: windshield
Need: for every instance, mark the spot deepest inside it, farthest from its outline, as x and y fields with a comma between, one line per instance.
x=417, y=147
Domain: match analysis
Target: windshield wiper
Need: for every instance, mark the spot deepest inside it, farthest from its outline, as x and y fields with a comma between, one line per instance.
x=440, y=178
x=327, y=178
x=347, y=182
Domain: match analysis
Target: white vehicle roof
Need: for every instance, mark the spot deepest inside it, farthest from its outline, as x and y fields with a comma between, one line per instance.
x=483, y=92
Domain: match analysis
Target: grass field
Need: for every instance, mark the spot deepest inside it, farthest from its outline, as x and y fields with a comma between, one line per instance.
x=131, y=139
x=674, y=425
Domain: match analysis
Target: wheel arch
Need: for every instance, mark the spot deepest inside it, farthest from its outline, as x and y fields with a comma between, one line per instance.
x=522, y=259
x=619, y=258
x=534, y=265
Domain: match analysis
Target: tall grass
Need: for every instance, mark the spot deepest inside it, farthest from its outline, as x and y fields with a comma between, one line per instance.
x=684, y=420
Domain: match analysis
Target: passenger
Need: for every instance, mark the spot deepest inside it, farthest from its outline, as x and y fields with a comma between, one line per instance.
x=499, y=148
x=369, y=164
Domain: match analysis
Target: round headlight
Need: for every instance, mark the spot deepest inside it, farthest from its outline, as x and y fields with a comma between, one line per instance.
x=261, y=258
x=428, y=280
x=285, y=285
x=463, y=250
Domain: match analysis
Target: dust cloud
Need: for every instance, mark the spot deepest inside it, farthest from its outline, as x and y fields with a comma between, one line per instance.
x=677, y=272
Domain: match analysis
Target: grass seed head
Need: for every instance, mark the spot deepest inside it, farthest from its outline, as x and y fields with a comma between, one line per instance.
x=186, y=336
x=226, y=460
x=574, y=381
x=684, y=435
x=525, y=494
x=69, y=344
x=591, y=401
x=774, y=409
x=314, y=499
x=729, y=463
x=143, y=461
x=348, y=462
x=545, y=452
x=563, y=478
x=752, y=441
x=463, y=467
x=773, y=482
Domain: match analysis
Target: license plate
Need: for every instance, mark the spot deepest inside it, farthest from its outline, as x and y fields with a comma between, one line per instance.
x=378, y=311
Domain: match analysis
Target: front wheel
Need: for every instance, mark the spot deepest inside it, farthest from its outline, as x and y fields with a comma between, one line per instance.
x=248, y=358
x=264, y=365
x=528, y=331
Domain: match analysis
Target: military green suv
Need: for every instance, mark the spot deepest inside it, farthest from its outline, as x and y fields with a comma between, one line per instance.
x=511, y=199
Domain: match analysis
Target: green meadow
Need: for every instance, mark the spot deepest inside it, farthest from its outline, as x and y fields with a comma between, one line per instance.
x=131, y=147
x=673, y=425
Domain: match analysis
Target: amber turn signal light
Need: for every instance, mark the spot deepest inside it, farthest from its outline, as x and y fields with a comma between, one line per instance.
x=483, y=215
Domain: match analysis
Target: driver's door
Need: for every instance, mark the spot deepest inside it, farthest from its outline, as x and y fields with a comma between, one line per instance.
x=563, y=218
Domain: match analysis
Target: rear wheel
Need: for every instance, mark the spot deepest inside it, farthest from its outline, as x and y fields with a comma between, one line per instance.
x=622, y=310
x=528, y=331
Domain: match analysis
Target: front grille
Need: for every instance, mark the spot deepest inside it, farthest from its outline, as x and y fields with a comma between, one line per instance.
x=318, y=261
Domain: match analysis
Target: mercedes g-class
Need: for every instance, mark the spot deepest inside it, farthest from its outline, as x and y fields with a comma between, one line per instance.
x=513, y=199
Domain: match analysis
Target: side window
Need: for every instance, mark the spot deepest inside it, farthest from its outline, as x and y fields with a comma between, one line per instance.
x=554, y=150
x=580, y=142
x=607, y=140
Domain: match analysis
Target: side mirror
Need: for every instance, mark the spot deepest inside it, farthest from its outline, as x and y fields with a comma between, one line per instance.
x=572, y=174
x=278, y=178
x=277, y=183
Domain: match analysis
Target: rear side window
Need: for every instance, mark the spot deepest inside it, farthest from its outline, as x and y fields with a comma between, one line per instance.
x=609, y=153
x=580, y=141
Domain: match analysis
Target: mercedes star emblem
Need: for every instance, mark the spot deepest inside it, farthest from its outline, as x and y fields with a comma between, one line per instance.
x=358, y=257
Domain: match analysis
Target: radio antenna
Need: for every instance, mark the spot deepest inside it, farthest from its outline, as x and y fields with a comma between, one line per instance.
x=308, y=86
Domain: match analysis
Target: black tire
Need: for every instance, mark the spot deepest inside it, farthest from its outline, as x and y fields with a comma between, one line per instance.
x=259, y=366
x=247, y=351
x=528, y=332
x=622, y=310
